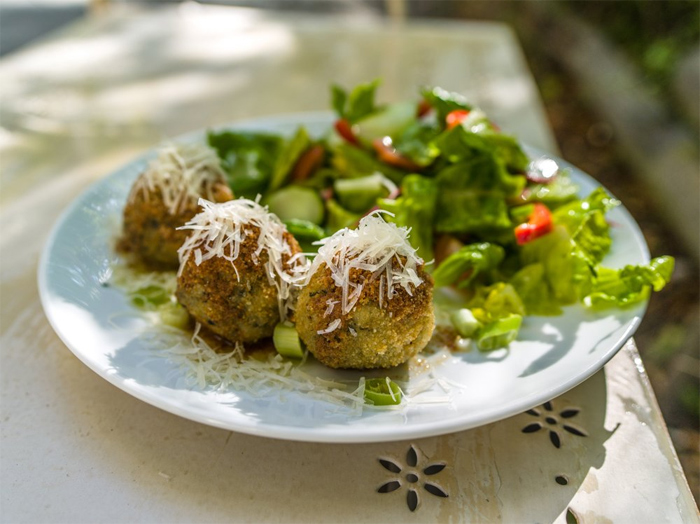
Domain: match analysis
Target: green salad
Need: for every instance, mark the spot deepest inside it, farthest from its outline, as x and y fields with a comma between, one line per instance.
x=511, y=234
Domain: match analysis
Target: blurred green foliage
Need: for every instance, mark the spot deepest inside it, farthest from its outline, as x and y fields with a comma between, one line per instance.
x=655, y=34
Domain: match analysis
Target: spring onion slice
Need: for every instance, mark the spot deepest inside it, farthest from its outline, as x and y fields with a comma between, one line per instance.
x=286, y=340
x=464, y=322
x=382, y=392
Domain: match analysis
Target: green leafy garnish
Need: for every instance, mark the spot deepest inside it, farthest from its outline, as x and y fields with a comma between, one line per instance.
x=416, y=143
x=585, y=221
x=415, y=208
x=468, y=262
x=444, y=102
x=553, y=194
x=532, y=287
x=248, y=159
x=499, y=333
x=467, y=204
x=353, y=162
x=566, y=270
x=355, y=105
x=288, y=156
x=629, y=285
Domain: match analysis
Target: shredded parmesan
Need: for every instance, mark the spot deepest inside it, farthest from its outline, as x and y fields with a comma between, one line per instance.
x=375, y=246
x=208, y=367
x=331, y=327
x=132, y=280
x=183, y=173
x=218, y=231
x=330, y=306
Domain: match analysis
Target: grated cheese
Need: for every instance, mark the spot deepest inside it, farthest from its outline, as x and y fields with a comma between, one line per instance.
x=211, y=367
x=330, y=306
x=331, y=327
x=218, y=231
x=183, y=173
x=132, y=280
x=375, y=246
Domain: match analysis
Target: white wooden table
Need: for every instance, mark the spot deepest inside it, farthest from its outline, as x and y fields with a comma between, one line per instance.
x=76, y=449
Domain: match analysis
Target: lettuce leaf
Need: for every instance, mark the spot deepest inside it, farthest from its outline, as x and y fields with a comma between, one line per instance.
x=472, y=196
x=553, y=194
x=353, y=162
x=585, y=221
x=532, y=287
x=566, y=270
x=629, y=285
x=499, y=333
x=248, y=159
x=575, y=213
x=416, y=143
x=458, y=144
x=500, y=311
x=474, y=258
x=289, y=154
x=444, y=102
x=415, y=208
x=356, y=104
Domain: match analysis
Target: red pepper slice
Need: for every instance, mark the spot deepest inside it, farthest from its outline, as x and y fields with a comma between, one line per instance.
x=308, y=162
x=456, y=117
x=387, y=154
x=344, y=129
x=538, y=223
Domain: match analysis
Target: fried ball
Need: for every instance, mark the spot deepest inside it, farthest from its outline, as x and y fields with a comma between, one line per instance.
x=151, y=219
x=236, y=298
x=370, y=335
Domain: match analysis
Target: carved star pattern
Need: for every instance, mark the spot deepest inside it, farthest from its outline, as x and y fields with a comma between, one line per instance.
x=553, y=422
x=412, y=476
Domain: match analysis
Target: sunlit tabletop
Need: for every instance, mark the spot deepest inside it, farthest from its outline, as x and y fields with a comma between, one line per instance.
x=76, y=449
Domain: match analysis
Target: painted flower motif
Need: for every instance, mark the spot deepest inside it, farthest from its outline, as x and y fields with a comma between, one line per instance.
x=412, y=477
x=553, y=422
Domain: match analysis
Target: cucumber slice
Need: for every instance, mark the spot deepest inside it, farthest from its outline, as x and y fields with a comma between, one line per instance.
x=296, y=202
x=360, y=194
x=389, y=122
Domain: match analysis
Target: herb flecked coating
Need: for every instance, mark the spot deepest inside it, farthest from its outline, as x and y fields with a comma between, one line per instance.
x=150, y=229
x=384, y=336
x=238, y=304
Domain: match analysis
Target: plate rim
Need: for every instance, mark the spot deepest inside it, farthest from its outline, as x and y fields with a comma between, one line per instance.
x=312, y=434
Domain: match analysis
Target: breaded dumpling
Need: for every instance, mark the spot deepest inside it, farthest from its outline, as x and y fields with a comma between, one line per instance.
x=238, y=270
x=165, y=196
x=367, y=302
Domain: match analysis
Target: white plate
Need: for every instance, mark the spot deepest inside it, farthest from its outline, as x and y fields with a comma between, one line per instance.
x=552, y=355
